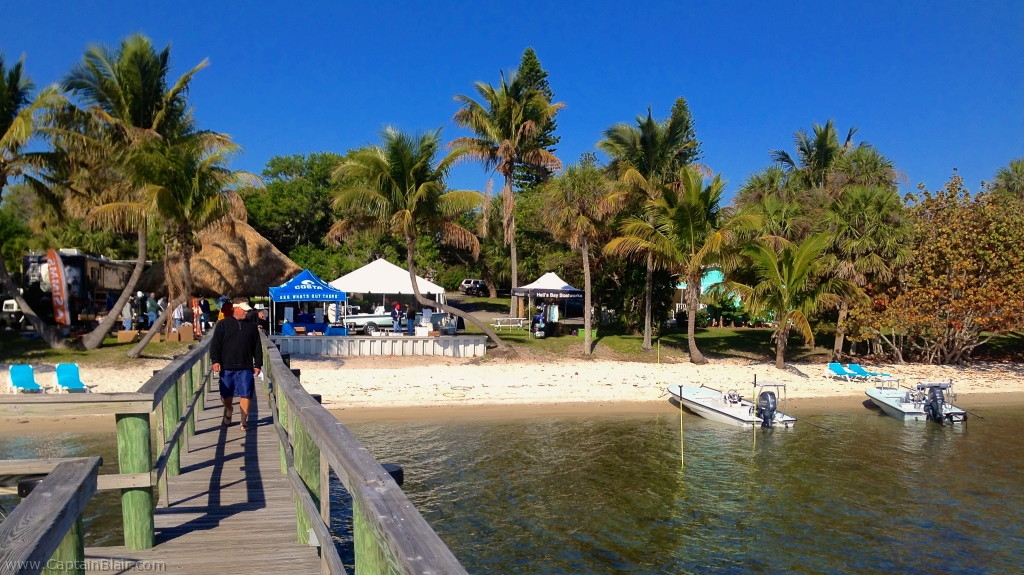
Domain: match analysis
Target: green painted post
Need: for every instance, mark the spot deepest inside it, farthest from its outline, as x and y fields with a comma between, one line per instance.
x=70, y=555
x=190, y=389
x=172, y=412
x=369, y=556
x=307, y=464
x=282, y=416
x=134, y=456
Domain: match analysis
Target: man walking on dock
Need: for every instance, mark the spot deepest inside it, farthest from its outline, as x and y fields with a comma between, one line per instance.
x=237, y=354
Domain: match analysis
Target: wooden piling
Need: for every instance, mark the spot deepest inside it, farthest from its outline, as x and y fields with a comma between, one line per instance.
x=134, y=456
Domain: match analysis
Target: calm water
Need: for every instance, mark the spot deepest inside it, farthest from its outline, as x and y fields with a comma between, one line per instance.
x=608, y=495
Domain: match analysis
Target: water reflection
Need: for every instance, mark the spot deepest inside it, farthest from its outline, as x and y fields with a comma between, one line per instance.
x=102, y=518
x=608, y=495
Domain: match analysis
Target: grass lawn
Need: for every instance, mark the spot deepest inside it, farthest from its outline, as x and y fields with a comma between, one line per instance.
x=16, y=348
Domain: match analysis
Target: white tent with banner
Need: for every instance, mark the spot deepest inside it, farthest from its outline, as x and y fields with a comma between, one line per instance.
x=385, y=278
x=548, y=286
x=305, y=287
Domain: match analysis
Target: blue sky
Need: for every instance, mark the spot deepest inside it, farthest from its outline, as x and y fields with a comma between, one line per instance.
x=933, y=85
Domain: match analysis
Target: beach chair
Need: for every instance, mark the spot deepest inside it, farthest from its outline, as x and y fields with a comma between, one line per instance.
x=23, y=379
x=836, y=370
x=68, y=380
x=861, y=372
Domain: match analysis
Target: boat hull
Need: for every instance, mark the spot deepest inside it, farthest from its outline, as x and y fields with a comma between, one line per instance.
x=897, y=403
x=709, y=404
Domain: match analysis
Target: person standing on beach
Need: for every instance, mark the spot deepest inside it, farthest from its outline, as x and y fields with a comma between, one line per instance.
x=152, y=308
x=237, y=354
x=127, y=314
x=396, y=319
x=204, y=314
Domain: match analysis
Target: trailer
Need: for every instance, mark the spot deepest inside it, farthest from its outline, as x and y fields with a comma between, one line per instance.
x=92, y=284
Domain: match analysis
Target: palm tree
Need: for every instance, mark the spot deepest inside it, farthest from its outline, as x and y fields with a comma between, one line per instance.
x=870, y=242
x=703, y=230
x=646, y=157
x=791, y=286
x=127, y=91
x=189, y=188
x=17, y=126
x=1009, y=179
x=395, y=188
x=815, y=156
x=507, y=122
x=579, y=202
x=129, y=86
x=686, y=230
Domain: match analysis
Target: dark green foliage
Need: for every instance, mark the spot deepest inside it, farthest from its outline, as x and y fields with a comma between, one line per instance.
x=623, y=291
x=16, y=235
x=531, y=76
x=294, y=210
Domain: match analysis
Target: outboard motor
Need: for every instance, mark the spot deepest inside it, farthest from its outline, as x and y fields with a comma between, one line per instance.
x=766, y=406
x=933, y=404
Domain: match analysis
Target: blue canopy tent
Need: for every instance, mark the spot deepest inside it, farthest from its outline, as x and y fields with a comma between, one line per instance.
x=302, y=288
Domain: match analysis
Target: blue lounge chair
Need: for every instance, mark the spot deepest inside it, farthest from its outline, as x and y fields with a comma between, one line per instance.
x=860, y=371
x=836, y=370
x=68, y=380
x=23, y=379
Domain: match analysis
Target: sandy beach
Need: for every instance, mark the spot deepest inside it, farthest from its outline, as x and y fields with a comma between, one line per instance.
x=361, y=388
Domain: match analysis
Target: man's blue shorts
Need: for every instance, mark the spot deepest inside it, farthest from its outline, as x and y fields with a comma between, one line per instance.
x=237, y=383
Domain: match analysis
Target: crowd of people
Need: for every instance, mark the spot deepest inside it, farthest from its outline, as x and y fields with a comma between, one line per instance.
x=141, y=311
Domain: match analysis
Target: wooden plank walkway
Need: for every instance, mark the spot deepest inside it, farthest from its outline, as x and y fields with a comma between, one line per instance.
x=231, y=508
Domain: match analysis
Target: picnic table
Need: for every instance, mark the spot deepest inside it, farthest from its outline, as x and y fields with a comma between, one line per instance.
x=510, y=322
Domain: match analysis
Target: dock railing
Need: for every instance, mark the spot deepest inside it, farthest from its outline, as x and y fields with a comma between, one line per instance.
x=390, y=536
x=44, y=533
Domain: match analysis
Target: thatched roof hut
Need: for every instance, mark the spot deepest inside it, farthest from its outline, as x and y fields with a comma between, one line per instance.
x=234, y=261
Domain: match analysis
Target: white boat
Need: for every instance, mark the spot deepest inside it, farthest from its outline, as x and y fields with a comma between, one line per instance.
x=730, y=408
x=925, y=402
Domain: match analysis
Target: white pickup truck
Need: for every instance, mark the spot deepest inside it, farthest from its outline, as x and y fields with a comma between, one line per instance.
x=369, y=323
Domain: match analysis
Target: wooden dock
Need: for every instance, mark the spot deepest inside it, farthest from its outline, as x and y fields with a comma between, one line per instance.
x=230, y=510
x=229, y=502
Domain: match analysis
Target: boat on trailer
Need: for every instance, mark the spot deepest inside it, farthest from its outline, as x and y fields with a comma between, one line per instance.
x=731, y=408
x=925, y=402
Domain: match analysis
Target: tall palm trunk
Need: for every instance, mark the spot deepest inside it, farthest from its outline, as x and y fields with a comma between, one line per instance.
x=509, y=215
x=837, y=349
x=648, y=306
x=94, y=338
x=782, y=336
x=410, y=247
x=692, y=301
x=587, y=343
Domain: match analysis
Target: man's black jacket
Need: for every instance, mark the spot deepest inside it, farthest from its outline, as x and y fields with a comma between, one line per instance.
x=236, y=345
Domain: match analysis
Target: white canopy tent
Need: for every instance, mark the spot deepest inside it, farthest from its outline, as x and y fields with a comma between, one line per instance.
x=548, y=285
x=384, y=277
